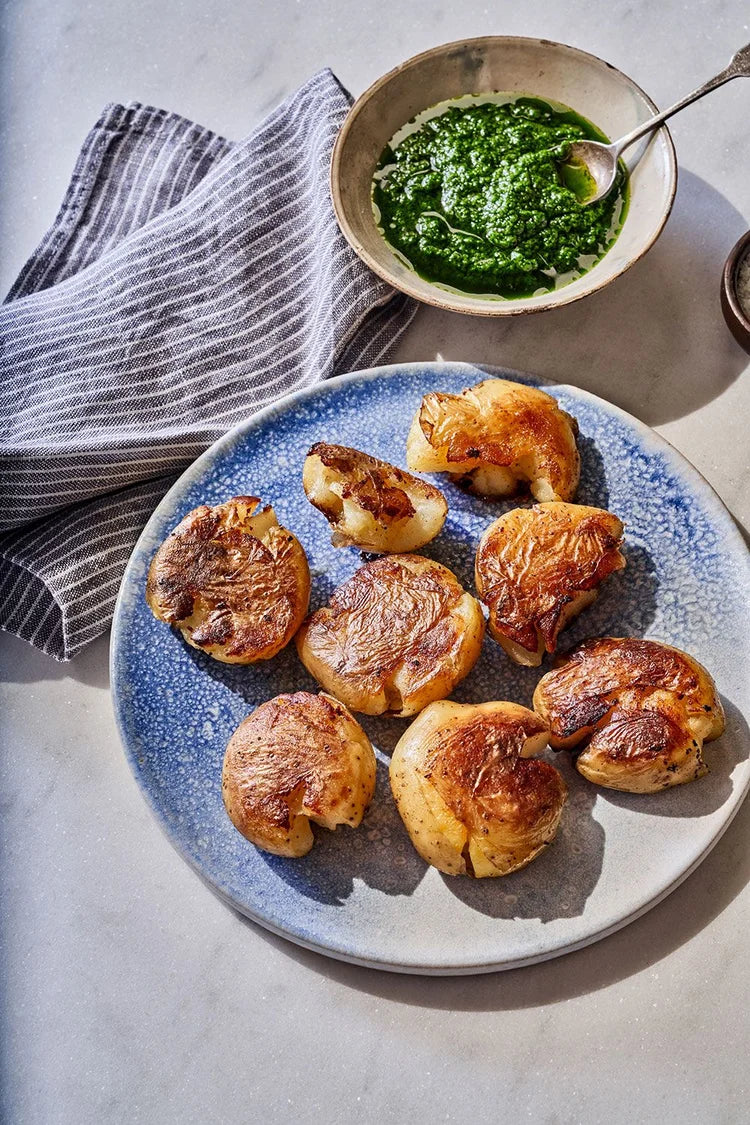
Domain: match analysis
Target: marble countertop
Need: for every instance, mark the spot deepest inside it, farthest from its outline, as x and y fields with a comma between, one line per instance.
x=129, y=992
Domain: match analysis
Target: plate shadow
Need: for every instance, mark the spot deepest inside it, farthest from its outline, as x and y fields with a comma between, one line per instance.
x=692, y=906
x=709, y=890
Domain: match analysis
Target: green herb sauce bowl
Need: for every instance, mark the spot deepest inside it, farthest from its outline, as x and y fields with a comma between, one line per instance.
x=536, y=68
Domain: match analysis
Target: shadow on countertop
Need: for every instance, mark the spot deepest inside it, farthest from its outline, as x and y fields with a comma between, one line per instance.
x=692, y=906
x=23, y=664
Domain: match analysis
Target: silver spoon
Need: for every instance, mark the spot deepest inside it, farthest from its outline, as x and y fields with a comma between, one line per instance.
x=600, y=160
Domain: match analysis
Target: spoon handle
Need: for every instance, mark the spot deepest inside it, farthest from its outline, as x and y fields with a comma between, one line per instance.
x=739, y=67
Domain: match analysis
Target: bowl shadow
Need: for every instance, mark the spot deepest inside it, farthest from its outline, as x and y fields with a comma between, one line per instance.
x=654, y=341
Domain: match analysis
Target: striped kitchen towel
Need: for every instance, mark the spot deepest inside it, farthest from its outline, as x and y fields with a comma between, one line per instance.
x=186, y=282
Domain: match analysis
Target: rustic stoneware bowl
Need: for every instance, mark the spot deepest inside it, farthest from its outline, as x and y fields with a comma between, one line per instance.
x=538, y=67
x=737, y=320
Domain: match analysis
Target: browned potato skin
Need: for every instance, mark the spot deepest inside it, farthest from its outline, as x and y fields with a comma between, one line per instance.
x=297, y=758
x=393, y=510
x=473, y=799
x=398, y=634
x=642, y=710
x=537, y=567
x=235, y=583
x=495, y=436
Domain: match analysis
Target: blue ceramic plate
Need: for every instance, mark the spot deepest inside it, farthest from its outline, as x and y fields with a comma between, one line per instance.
x=364, y=895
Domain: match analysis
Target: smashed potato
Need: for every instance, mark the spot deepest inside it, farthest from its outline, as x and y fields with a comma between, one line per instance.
x=369, y=503
x=641, y=709
x=495, y=436
x=537, y=568
x=235, y=583
x=473, y=798
x=297, y=758
x=396, y=635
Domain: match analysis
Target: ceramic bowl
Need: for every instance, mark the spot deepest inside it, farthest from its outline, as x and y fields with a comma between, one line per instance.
x=538, y=67
x=737, y=320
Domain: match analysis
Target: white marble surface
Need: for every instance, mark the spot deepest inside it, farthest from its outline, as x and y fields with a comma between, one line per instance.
x=128, y=992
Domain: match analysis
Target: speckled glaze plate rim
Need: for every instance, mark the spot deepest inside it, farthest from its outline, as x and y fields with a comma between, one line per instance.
x=649, y=439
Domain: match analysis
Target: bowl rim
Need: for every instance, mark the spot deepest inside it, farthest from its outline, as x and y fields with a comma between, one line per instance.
x=737, y=254
x=441, y=298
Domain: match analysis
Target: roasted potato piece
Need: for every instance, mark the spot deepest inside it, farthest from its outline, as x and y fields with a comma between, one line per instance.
x=472, y=797
x=495, y=436
x=234, y=583
x=641, y=709
x=536, y=568
x=296, y=758
x=396, y=635
x=369, y=503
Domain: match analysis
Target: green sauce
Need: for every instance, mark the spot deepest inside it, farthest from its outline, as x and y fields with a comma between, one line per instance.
x=477, y=198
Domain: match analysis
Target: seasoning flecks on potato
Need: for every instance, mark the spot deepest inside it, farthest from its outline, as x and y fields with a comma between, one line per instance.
x=369, y=503
x=297, y=758
x=537, y=568
x=496, y=436
x=398, y=634
x=235, y=583
x=641, y=710
x=470, y=791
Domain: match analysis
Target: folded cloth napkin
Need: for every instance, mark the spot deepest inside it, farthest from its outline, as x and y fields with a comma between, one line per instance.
x=186, y=282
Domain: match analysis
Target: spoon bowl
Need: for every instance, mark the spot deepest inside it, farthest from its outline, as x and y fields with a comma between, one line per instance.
x=597, y=163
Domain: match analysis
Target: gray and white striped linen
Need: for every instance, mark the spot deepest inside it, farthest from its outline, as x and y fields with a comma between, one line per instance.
x=186, y=282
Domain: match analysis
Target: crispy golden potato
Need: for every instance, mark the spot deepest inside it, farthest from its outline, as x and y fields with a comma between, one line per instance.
x=495, y=436
x=296, y=758
x=234, y=583
x=472, y=797
x=369, y=503
x=396, y=635
x=536, y=568
x=641, y=709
